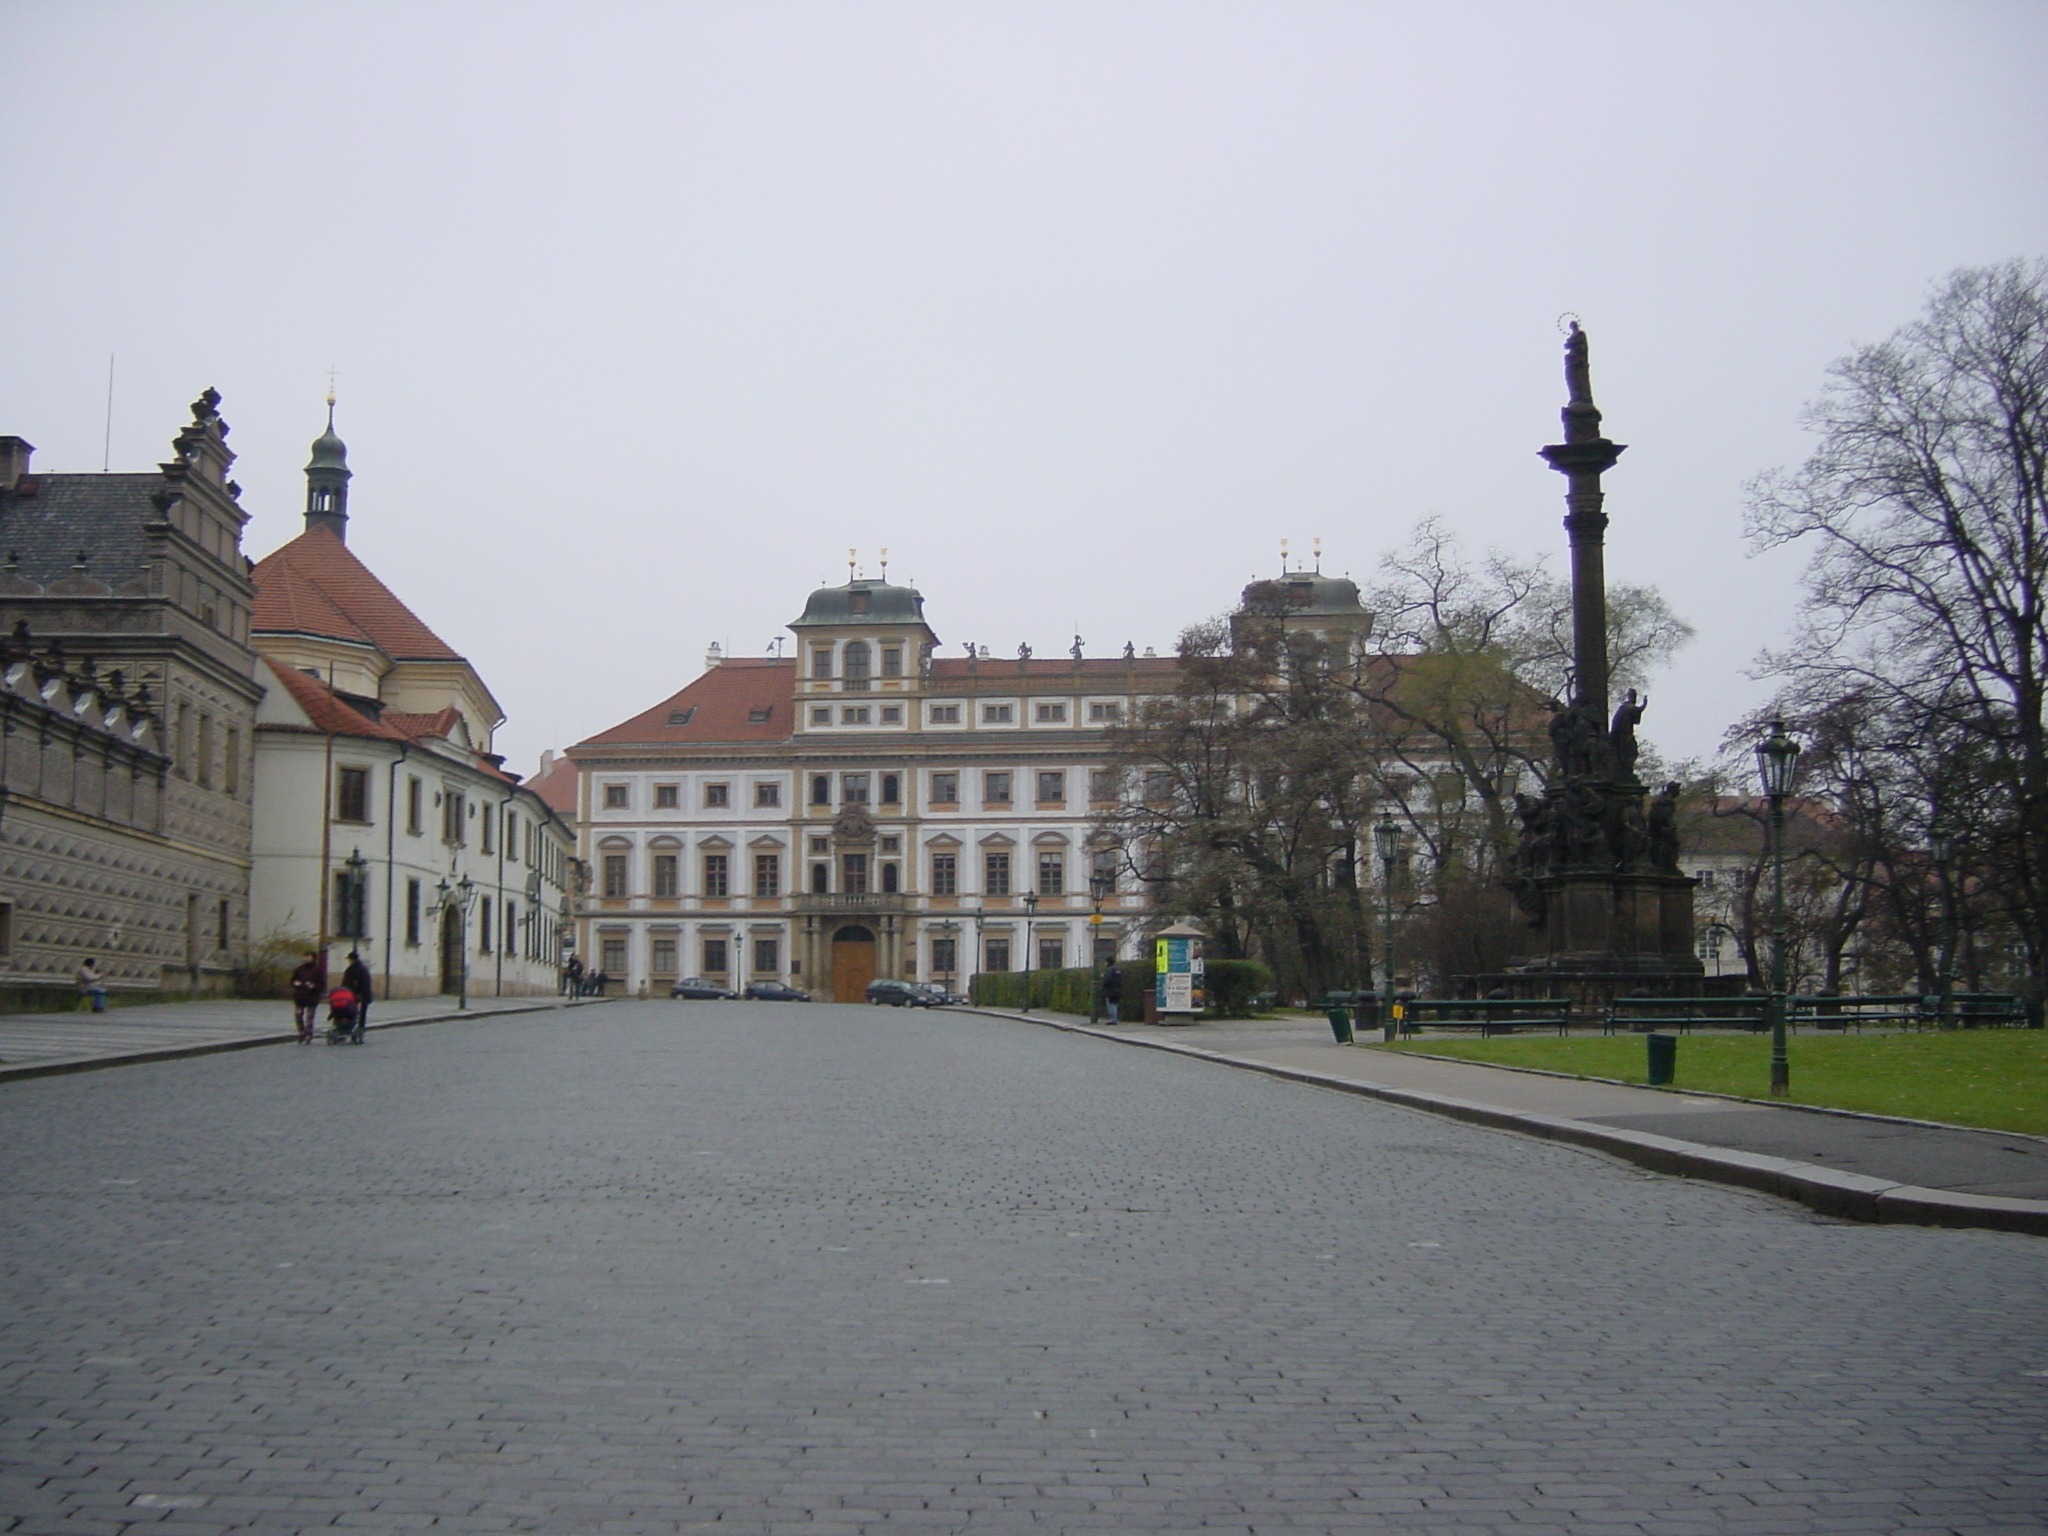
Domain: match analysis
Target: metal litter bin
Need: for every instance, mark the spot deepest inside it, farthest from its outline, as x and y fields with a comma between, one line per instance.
x=1340, y=1025
x=1663, y=1059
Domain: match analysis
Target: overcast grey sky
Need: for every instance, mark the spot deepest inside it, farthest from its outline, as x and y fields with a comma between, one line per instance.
x=644, y=314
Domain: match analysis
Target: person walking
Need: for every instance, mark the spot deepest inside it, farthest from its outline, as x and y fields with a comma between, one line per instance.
x=92, y=987
x=573, y=971
x=309, y=984
x=1112, y=990
x=357, y=979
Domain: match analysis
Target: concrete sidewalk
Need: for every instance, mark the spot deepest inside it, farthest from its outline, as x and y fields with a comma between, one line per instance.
x=39, y=1044
x=1866, y=1167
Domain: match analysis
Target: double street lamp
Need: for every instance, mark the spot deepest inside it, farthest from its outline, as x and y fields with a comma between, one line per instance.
x=1030, y=935
x=1100, y=884
x=461, y=896
x=1386, y=842
x=1777, y=755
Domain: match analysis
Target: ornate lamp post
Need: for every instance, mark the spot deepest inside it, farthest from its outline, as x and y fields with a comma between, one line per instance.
x=461, y=896
x=949, y=929
x=357, y=917
x=1941, y=842
x=1100, y=883
x=1030, y=933
x=1777, y=755
x=1386, y=842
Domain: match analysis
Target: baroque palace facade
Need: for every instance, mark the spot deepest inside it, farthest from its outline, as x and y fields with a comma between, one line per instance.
x=866, y=808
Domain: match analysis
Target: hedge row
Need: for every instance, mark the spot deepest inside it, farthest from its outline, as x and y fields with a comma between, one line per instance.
x=1233, y=985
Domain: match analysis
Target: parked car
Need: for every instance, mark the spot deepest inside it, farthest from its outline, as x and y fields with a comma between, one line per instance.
x=948, y=999
x=775, y=992
x=901, y=994
x=698, y=987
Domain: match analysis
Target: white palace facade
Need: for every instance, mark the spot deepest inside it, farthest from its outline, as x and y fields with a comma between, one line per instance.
x=862, y=809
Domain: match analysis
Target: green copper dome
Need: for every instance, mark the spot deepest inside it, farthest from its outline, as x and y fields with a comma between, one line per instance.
x=863, y=602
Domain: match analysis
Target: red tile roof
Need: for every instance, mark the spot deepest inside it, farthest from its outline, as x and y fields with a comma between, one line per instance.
x=556, y=786
x=441, y=723
x=315, y=586
x=326, y=709
x=722, y=705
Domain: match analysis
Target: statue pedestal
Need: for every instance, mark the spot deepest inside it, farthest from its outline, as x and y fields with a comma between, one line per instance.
x=1607, y=934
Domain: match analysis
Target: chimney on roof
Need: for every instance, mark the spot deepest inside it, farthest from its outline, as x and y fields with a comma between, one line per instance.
x=715, y=656
x=14, y=455
x=327, y=477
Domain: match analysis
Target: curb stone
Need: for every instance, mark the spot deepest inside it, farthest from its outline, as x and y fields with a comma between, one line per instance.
x=288, y=1037
x=1852, y=1196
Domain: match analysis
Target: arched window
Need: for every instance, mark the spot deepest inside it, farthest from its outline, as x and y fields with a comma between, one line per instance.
x=859, y=665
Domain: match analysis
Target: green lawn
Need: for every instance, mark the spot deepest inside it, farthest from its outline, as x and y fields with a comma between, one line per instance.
x=1996, y=1078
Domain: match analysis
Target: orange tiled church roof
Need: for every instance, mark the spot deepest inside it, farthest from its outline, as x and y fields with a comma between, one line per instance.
x=315, y=586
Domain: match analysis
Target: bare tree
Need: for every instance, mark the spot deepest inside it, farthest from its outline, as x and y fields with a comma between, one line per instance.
x=1926, y=503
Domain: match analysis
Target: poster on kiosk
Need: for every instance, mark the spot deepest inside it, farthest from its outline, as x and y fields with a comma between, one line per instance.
x=1178, y=973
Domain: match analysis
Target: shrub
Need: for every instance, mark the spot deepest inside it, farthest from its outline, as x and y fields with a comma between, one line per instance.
x=1233, y=984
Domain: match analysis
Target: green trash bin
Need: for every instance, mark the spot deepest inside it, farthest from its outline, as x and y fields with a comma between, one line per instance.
x=1663, y=1059
x=1340, y=1025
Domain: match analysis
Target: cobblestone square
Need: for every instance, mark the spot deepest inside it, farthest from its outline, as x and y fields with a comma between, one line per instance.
x=653, y=1268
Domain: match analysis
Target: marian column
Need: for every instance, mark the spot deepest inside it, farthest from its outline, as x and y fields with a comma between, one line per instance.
x=1597, y=875
x=1582, y=458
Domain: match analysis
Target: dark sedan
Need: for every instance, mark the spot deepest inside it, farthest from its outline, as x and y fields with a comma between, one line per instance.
x=901, y=994
x=775, y=992
x=698, y=987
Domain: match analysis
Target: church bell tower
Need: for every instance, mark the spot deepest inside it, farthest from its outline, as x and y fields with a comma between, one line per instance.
x=327, y=477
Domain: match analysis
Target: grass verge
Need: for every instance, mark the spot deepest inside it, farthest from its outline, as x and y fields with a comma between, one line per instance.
x=1993, y=1078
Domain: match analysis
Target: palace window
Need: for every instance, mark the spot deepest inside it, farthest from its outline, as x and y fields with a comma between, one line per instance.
x=821, y=661
x=821, y=789
x=853, y=788
x=892, y=714
x=483, y=926
x=663, y=956
x=767, y=874
x=717, y=796
x=1052, y=873
x=1052, y=952
x=454, y=823
x=668, y=797
x=945, y=957
x=615, y=874
x=412, y=911
x=665, y=875
x=713, y=952
x=1102, y=784
x=860, y=715
x=1052, y=787
x=853, y=872
x=617, y=797
x=611, y=954
x=768, y=794
x=1051, y=714
x=945, y=789
x=945, y=874
x=352, y=794
x=997, y=714
x=891, y=878
x=415, y=803
x=892, y=788
x=892, y=661
x=996, y=955
x=857, y=666
x=717, y=875
x=995, y=873
x=995, y=788
x=821, y=716
x=1105, y=712
x=945, y=714
x=767, y=956
x=821, y=845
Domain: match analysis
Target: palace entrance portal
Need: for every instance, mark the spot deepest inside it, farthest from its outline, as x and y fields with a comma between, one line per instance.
x=853, y=962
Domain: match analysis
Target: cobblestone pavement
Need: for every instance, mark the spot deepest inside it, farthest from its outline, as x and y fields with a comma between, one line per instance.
x=750, y=1269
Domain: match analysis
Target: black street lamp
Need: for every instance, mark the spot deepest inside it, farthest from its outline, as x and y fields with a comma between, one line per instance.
x=949, y=929
x=980, y=950
x=461, y=895
x=1030, y=917
x=1386, y=842
x=1941, y=841
x=1100, y=884
x=1777, y=755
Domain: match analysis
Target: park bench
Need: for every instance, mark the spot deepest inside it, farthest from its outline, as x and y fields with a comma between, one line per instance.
x=1489, y=1015
x=1637, y=1014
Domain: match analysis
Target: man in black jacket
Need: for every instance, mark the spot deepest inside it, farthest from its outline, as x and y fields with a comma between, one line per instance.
x=357, y=979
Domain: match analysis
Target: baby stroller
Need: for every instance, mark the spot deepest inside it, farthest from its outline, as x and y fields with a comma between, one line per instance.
x=344, y=1018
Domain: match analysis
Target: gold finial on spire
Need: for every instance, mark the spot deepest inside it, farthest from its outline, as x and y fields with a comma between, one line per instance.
x=1319, y=556
x=885, y=562
x=849, y=566
x=1283, y=557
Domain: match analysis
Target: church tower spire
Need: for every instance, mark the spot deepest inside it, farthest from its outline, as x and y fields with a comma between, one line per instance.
x=327, y=477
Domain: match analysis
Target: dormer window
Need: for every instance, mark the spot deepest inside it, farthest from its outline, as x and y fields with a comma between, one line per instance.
x=682, y=716
x=857, y=602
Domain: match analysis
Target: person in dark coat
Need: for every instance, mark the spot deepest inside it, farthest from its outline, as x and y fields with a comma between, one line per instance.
x=1112, y=990
x=309, y=985
x=357, y=979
